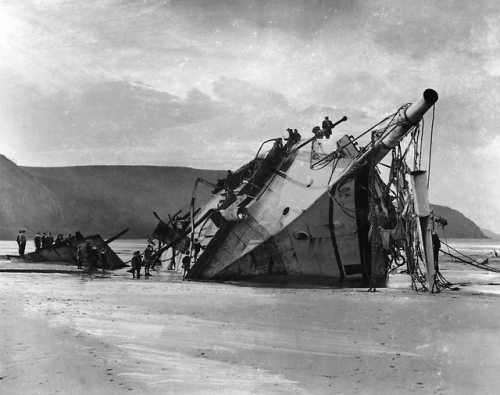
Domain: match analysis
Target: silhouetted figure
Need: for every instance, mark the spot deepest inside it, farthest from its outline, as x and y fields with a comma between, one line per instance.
x=92, y=258
x=436, y=245
x=38, y=241
x=21, y=241
x=171, y=265
x=49, y=240
x=136, y=264
x=59, y=240
x=196, y=250
x=79, y=257
x=186, y=265
x=317, y=132
x=327, y=126
x=297, y=135
x=104, y=259
x=148, y=254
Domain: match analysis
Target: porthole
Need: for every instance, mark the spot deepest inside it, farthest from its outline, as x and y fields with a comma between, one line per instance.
x=300, y=235
x=286, y=211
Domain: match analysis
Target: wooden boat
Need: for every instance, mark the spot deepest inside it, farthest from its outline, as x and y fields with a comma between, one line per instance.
x=304, y=208
x=67, y=252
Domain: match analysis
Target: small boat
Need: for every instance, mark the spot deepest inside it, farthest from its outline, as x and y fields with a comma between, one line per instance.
x=315, y=207
x=66, y=252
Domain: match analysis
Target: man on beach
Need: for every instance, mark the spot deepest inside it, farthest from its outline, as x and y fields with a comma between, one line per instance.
x=21, y=241
x=148, y=254
x=186, y=265
x=136, y=264
x=436, y=245
x=104, y=259
x=79, y=257
x=92, y=258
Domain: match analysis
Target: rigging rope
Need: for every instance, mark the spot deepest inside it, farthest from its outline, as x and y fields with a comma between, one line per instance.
x=373, y=220
x=430, y=147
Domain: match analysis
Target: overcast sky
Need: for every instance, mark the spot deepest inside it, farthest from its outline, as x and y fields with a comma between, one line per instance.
x=202, y=83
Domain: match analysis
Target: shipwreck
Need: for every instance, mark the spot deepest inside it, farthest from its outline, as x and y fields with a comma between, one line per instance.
x=66, y=252
x=317, y=207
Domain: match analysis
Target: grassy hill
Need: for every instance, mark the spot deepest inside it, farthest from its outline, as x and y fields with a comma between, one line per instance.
x=459, y=226
x=108, y=199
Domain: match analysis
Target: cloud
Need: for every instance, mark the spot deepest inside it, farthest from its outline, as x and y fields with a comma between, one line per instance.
x=241, y=92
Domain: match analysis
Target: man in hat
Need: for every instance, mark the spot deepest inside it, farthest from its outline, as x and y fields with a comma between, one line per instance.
x=136, y=264
x=327, y=126
x=186, y=265
x=21, y=241
x=148, y=254
x=38, y=241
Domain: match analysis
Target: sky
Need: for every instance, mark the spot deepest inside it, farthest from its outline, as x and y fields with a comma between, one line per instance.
x=201, y=83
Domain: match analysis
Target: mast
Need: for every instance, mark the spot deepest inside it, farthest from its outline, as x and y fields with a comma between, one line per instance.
x=402, y=123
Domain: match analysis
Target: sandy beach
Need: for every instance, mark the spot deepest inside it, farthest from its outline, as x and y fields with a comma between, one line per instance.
x=66, y=333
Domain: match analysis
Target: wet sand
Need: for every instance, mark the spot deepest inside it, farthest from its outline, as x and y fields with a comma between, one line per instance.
x=68, y=334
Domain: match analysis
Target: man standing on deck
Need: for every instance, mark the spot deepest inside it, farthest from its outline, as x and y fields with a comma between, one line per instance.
x=49, y=240
x=38, y=241
x=327, y=126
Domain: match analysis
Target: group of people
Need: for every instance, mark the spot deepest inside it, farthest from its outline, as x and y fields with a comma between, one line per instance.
x=41, y=241
x=186, y=260
x=149, y=261
x=90, y=255
x=47, y=240
x=325, y=130
x=293, y=135
x=146, y=259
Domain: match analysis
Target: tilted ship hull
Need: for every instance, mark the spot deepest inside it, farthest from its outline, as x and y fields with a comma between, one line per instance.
x=301, y=210
x=66, y=252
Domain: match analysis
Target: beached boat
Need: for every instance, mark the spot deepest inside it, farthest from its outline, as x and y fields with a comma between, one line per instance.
x=306, y=208
x=66, y=252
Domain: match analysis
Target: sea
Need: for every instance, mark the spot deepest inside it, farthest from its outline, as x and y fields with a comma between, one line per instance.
x=125, y=248
x=467, y=277
x=122, y=247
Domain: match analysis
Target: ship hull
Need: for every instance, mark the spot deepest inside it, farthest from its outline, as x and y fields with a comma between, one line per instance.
x=296, y=227
x=66, y=253
x=313, y=208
